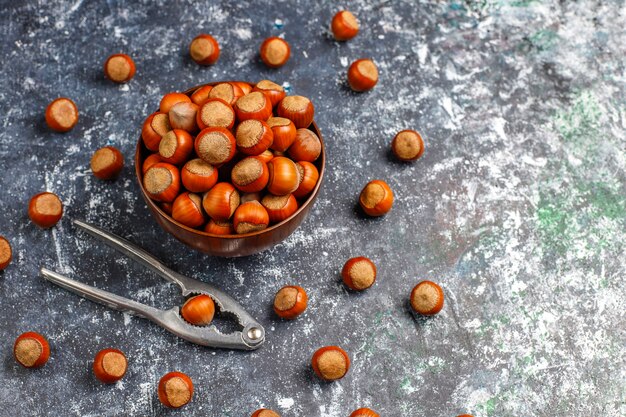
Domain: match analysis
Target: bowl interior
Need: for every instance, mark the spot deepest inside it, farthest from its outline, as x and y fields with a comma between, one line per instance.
x=142, y=153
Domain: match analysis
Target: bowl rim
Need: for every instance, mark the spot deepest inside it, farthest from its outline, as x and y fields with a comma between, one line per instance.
x=306, y=202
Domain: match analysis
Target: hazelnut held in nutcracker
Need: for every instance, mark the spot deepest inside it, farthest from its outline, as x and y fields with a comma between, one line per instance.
x=198, y=310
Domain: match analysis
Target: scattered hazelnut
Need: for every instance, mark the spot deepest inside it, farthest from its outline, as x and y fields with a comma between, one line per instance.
x=6, y=253
x=330, y=363
x=175, y=389
x=407, y=145
x=376, y=198
x=110, y=365
x=362, y=75
x=119, y=68
x=62, y=115
x=344, y=26
x=264, y=412
x=45, y=209
x=427, y=298
x=204, y=49
x=31, y=350
x=359, y=273
x=275, y=52
x=107, y=163
x=364, y=412
x=290, y=301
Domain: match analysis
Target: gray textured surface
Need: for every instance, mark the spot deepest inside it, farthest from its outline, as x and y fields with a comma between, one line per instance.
x=517, y=209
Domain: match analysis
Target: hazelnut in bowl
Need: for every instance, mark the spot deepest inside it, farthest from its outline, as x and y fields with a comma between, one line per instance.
x=230, y=168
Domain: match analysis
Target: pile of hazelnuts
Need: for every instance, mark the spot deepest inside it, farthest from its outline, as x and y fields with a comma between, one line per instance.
x=231, y=158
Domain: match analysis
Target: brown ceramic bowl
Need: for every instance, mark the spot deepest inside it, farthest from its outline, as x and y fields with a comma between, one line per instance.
x=230, y=245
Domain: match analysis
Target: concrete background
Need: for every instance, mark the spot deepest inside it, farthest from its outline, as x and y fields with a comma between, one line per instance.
x=518, y=208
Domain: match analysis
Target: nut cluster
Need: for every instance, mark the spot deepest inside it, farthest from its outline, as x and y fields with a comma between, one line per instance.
x=231, y=158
